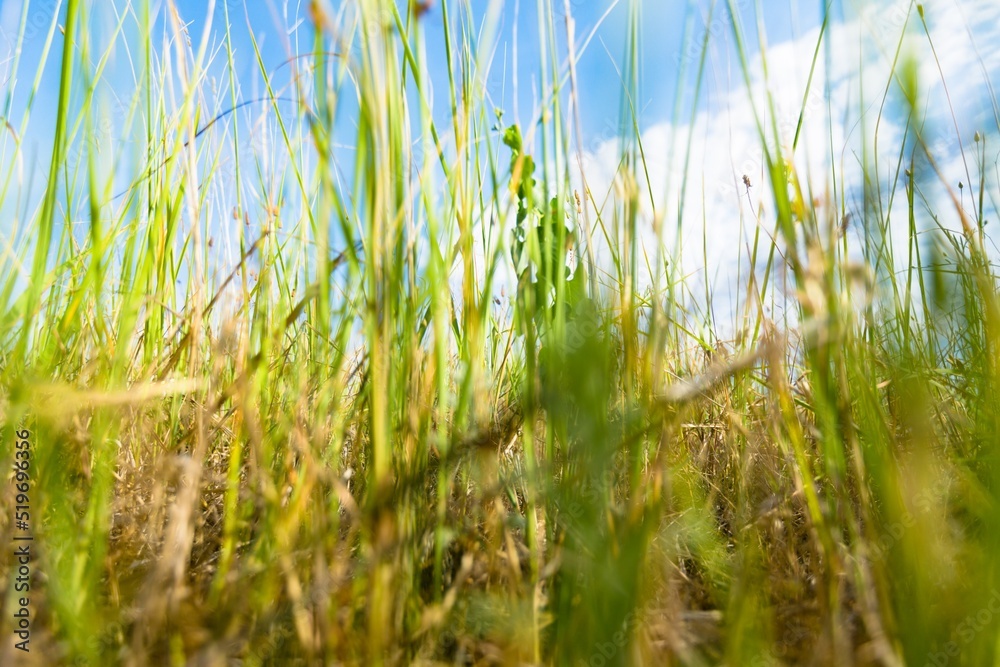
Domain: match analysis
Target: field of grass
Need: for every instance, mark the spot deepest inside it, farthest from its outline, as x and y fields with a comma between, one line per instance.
x=388, y=383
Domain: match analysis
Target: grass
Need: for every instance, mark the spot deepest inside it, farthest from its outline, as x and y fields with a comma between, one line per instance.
x=388, y=426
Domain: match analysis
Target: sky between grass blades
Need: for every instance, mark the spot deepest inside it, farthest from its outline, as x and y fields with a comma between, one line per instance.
x=853, y=117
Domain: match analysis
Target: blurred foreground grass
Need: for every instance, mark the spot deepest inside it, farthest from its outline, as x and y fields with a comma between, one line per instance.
x=357, y=442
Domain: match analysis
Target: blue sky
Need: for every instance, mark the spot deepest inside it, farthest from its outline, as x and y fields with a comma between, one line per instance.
x=663, y=26
x=862, y=37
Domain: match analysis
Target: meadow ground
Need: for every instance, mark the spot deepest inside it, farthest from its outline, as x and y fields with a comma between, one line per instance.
x=432, y=399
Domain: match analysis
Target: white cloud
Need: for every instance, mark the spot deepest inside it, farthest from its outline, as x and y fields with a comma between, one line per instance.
x=726, y=145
